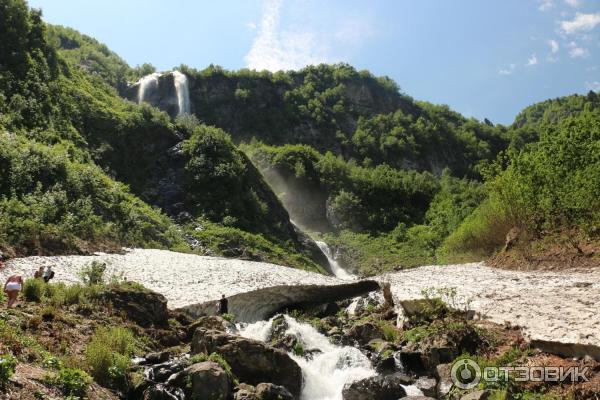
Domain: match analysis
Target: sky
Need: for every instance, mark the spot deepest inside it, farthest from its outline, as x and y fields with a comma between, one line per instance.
x=483, y=58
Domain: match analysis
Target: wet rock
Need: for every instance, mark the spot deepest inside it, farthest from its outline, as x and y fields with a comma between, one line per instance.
x=157, y=358
x=251, y=361
x=213, y=322
x=269, y=391
x=144, y=307
x=413, y=361
x=477, y=395
x=444, y=378
x=162, y=392
x=377, y=388
x=365, y=332
x=161, y=372
x=209, y=381
x=427, y=386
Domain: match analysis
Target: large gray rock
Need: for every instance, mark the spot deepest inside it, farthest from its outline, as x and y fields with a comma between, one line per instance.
x=209, y=381
x=427, y=386
x=251, y=361
x=377, y=388
x=365, y=332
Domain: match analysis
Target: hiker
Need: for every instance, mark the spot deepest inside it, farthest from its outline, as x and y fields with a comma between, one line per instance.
x=39, y=273
x=48, y=274
x=12, y=287
x=223, y=305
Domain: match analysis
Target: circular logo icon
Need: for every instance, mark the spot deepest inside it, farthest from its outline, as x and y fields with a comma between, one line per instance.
x=465, y=374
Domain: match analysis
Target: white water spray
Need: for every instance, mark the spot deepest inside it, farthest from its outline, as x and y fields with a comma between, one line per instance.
x=328, y=371
x=147, y=83
x=337, y=270
x=183, y=92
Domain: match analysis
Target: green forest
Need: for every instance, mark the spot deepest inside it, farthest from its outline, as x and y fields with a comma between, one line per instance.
x=388, y=181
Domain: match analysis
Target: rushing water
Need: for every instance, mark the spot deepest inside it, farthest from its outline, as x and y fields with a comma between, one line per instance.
x=183, y=92
x=147, y=83
x=329, y=370
x=336, y=269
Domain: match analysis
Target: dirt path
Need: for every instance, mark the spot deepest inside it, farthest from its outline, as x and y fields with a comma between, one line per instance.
x=559, y=306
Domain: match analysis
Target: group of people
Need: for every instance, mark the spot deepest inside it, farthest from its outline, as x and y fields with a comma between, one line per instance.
x=14, y=283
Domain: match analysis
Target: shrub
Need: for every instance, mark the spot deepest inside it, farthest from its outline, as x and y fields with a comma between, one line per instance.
x=73, y=294
x=34, y=290
x=229, y=317
x=72, y=381
x=7, y=367
x=93, y=273
x=108, y=355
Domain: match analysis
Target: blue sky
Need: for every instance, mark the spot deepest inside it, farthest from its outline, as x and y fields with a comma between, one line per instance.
x=483, y=58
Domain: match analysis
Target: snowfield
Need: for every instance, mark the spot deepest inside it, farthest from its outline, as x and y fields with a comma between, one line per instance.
x=551, y=305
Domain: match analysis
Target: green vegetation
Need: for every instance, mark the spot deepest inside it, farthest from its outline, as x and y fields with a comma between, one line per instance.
x=7, y=367
x=72, y=381
x=34, y=289
x=108, y=355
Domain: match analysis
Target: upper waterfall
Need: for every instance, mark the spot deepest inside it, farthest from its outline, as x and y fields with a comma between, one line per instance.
x=147, y=83
x=183, y=92
x=336, y=269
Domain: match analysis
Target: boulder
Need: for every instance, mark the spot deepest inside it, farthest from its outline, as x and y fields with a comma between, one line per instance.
x=251, y=361
x=213, y=322
x=363, y=333
x=244, y=391
x=144, y=307
x=427, y=386
x=413, y=361
x=209, y=381
x=269, y=391
x=377, y=388
x=444, y=378
x=162, y=392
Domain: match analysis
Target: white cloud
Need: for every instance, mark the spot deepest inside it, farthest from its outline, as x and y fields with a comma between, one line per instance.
x=545, y=5
x=554, y=46
x=532, y=60
x=511, y=68
x=573, y=3
x=581, y=23
x=251, y=25
x=595, y=86
x=577, y=51
x=274, y=49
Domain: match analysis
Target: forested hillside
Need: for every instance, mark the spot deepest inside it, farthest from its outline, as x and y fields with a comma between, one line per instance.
x=385, y=179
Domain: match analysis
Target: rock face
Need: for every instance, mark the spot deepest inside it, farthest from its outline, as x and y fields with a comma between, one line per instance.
x=251, y=361
x=377, y=388
x=144, y=307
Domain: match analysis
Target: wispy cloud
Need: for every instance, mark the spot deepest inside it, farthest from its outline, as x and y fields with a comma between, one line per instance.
x=251, y=25
x=545, y=5
x=511, y=68
x=595, y=86
x=575, y=51
x=554, y=46
x=573, y=3
x=581, y=23
x=275, y=50
x=532, y=60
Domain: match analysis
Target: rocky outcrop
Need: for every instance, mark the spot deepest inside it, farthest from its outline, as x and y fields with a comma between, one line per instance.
x=568, y=349
x=251, y=361
x=377, y=388
x=144, y=307
x=261, y=304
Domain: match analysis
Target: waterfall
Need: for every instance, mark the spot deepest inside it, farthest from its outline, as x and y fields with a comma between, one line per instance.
x=337, y=270
x=147, y=83
x=183, y=92
x=328, y=371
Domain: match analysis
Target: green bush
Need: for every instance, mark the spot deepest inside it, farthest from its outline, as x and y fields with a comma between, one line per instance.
x=108, y=355
x=93, y=273
x=34, y=290
x=72, y=382
x=8, y=364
